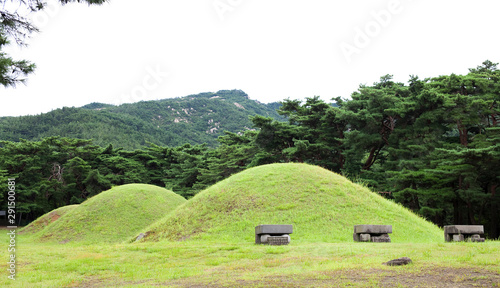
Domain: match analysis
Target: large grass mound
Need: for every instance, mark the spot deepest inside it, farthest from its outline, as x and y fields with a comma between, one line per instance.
x=113, y=216
x=321, y=205
x=46, y=219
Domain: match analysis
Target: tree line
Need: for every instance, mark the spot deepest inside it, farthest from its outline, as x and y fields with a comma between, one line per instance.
x=432, y=145
x=193, y=119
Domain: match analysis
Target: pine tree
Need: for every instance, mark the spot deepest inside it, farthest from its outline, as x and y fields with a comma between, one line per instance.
x=15, y=26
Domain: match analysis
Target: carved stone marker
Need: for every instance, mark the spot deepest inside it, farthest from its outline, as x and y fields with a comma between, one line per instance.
x=278, y=240
x=140, y=237
x=372, y=233
x=458, y=233
x=273, y=234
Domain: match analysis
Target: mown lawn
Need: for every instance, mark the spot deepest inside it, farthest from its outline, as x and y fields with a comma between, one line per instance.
x=212, y=264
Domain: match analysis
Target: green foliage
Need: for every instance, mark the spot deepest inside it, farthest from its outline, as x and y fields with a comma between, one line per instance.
x=449, y=177
x=183, y=172
x=11, y=70
x=235, y=154
x=432, y=145
x=194, y=119
x=48, y=173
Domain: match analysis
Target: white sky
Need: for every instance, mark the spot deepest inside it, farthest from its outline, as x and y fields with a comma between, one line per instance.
x=128, y=50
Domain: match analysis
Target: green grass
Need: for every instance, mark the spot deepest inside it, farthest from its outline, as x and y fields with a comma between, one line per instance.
x=112, y=216
x=223, y=264
x=47, y=219
x=216, y=233
x=322, y=207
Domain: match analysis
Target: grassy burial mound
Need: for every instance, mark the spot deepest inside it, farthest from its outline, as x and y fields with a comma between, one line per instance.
x=113, y=216
x=46, y=219
x=321, y=205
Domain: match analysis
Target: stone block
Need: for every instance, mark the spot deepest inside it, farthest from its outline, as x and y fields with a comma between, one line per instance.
x=476, y=238
x=463, y=232
x=263, y=238
x=278, y=240
x=263, y=232
x=140, y=237
x=381, y=238
x=355, y=236
x=274, y=229
x=287, y=236
x=447, y=237
x=363, y=237
x=464, y=229
x=373, y=229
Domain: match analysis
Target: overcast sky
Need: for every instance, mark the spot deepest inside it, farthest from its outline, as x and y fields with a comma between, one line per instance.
x=128, y=50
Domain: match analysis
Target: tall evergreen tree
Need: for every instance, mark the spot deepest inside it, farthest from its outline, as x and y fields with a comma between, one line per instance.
x=372, y=116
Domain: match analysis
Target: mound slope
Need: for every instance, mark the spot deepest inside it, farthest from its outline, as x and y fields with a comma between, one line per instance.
x=46, y=219
x=322, y=207
x=112, y=216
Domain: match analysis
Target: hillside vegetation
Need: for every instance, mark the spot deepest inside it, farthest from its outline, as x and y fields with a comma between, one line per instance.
x=194, y=119
x=432, y=145
x=45, y=220
x=321, y=205
x=112, y=216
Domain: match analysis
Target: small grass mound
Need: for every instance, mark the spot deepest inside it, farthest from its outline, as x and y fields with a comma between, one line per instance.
x=112, y=216
x=321, y=205
x=46, y=219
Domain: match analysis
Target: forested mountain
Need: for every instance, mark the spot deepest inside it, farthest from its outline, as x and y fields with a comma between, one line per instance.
x=432, y=145
x=193, y=119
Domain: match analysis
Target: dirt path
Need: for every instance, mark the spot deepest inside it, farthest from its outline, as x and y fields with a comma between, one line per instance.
x=438, y=277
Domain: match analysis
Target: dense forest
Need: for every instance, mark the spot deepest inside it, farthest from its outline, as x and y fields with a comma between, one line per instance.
x=432, y=145
x=194, y=119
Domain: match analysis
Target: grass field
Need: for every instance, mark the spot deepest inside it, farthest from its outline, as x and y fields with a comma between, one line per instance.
x=215, y=264
x=208, y=241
